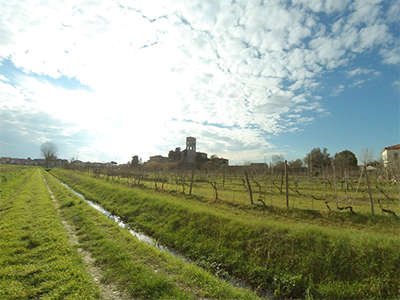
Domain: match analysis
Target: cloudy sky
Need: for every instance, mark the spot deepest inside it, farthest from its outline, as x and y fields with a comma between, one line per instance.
x=105, y=80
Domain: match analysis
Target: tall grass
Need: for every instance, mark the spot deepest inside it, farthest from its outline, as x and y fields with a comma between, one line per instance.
x=36, y=258
x=293, y=254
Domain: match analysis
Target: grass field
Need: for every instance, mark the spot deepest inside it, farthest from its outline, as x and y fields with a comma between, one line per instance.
x=297, y=252
x=37, y=260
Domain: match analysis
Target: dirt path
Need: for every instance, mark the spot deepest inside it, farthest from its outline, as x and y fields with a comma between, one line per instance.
x=107, y=291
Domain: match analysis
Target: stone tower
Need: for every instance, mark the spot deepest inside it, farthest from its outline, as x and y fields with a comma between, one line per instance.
x=191, y=149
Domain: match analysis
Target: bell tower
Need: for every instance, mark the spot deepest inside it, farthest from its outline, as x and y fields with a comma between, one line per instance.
x=191, y=149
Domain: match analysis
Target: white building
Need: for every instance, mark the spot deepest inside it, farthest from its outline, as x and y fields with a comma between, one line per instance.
x=390, y=156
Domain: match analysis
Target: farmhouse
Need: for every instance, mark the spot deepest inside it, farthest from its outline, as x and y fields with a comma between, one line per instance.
x=390, y=156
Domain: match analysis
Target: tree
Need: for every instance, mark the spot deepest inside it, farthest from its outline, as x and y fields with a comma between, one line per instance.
x=295, y=164
x=135, y=161
x=278, y=162
x=49, y=151
x=214, y=157
x=215, y=160
x=318, y=159
x=345, y=160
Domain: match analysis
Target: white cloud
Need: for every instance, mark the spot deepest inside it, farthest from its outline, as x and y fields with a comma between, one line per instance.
x=371, y=36
x=357, y=83
x=393, y=13
x=365, y=12
x=326, y=6
x=390, y=56
x=3, y=78
x=238, y=66
x=337, y=90
x=361, y=71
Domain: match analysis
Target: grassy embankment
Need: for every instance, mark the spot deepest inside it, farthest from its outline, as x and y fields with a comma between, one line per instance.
x=296, y=253
x=36, y=259
x=141, y=270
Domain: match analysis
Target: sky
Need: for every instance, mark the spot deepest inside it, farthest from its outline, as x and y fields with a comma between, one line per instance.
x=106, y=80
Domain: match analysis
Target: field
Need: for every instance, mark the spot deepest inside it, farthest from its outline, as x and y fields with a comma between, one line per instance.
x=55, y=246
x=307, y=249
x=36, y=258
x=329, y=190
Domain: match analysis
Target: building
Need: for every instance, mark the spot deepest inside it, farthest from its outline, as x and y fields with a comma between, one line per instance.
x=5, y=160
x=390, y=156
x=202, y=157
x=190, y=149
x=158, y=158
x=30, y=162
x=188, y=156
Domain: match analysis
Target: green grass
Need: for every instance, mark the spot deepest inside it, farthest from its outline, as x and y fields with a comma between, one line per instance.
x=38, y=262
x=36, y=258
x=9, y=172
x=296, y=253
x=10, y=168
x=141, y=270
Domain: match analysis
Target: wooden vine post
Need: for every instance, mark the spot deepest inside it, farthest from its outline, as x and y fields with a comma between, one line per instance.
x=335, y=183
x=249, y=187
x=223, y=175
x=311, y=180
x=287, y=184
x=369, y=190
x=191, y=181
x=272, y=178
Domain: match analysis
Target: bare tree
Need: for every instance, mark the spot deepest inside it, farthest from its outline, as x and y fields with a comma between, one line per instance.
x=49, y=151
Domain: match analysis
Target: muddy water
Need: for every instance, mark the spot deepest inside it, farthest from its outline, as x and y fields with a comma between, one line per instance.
x=151, y=241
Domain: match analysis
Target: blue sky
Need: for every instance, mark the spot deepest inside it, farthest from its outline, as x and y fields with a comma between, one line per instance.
x=106, y=80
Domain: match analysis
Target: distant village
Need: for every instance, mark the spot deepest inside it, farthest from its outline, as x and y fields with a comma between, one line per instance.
x=30, y=162
x=181, y=158
x=186, y=157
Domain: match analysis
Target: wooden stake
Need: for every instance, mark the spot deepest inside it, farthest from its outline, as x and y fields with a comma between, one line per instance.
x=249, y=187
x=191, y=181
x=287, y=184
x=369, y=190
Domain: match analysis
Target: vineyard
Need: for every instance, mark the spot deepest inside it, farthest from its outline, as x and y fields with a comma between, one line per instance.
x=332, y=190
x=309, y=248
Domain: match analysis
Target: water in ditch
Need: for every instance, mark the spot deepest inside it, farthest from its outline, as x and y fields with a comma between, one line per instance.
x=151, y=241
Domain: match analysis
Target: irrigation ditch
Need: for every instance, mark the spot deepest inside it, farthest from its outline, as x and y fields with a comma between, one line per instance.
x=153, y=242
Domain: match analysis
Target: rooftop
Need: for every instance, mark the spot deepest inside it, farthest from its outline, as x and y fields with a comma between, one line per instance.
x=392, y=147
